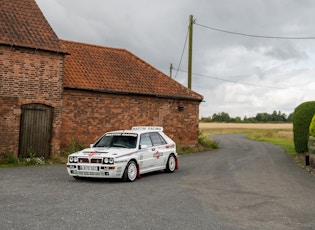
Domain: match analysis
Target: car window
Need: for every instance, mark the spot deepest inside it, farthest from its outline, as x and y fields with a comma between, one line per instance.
x=145, y=140
x=157, y=139
x=104, y=141
x=117, y=140
x=124, y=141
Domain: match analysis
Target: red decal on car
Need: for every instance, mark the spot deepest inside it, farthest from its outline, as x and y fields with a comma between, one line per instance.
x=157, y=154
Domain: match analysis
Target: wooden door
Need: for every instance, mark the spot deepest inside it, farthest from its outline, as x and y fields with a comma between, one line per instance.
x=35, y=130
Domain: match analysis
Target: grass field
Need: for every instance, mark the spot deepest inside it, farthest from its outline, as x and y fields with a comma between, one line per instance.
x=213, y=125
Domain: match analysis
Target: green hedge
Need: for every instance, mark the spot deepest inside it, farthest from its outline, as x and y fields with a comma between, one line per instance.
x=303, y=115
x=312, y=127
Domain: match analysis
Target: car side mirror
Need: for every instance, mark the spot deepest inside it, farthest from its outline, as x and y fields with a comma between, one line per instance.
x=91, y=145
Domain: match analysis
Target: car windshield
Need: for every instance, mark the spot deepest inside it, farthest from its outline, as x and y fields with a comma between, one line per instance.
x=120, y=140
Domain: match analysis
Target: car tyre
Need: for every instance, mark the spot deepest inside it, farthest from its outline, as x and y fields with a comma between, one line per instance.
x=131, y=172
x=171, y=164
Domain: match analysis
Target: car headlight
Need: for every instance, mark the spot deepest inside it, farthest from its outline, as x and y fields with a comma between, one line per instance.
x=108, y=160
x=73, y=159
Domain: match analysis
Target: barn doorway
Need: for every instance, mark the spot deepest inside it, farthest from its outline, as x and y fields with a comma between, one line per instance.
x=35, y=130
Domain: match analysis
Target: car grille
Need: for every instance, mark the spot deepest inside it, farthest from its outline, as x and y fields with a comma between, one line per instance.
x=92, y=161
x=83, y=160
x=97, y=161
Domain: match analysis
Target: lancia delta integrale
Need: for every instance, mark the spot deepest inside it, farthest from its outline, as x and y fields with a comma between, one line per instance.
x=125, y=154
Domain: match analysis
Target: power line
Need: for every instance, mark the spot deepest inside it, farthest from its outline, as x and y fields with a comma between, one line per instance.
x=222, y=79
x=181, y=58
x=255, y=36
x=234, y=33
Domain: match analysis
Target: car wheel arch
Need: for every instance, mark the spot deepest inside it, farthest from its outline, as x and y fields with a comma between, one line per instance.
x=124, y=177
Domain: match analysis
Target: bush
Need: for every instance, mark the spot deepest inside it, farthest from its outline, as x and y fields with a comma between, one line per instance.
x=206, y=142
x=312, y=127
x=303, y=115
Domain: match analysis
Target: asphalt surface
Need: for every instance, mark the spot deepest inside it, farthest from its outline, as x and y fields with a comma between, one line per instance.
x=243, y=185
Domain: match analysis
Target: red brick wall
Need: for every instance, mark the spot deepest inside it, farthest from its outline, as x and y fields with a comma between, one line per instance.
x=28, y=76
x=9, y=124
x=87, y=115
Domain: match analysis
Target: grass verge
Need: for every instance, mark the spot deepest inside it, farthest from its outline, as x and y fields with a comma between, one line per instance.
x=7, y=159
x=204, y=144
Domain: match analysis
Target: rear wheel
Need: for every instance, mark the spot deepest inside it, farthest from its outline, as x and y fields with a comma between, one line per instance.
x=171, y=164
x=131, y=172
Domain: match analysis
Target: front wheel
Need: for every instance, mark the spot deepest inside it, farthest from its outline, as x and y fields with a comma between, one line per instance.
x=171, y=164
x=131, y=172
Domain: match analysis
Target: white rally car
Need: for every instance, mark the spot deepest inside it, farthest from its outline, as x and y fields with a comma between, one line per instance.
x=125, y=154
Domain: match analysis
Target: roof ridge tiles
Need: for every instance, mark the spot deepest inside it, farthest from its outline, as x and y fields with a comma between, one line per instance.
x=92, y=45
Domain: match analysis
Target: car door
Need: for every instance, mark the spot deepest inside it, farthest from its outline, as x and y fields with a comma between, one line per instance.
x=159, y=150
x=146, y=152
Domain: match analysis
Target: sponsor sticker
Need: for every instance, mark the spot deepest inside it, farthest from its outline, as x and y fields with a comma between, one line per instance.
x=149, y=128
x=122, y=134
x=92, y=154
x=157, y=154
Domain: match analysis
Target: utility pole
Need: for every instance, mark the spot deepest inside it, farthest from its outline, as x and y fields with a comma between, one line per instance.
x=190, y=29
x=171, y=69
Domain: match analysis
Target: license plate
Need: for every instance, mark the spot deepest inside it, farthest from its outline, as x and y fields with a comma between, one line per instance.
x=88, y=168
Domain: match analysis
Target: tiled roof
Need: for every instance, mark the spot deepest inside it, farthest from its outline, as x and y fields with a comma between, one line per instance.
x=23, y=24
x=105, y=69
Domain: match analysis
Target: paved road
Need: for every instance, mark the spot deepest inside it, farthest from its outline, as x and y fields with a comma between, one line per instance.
x=243, y=185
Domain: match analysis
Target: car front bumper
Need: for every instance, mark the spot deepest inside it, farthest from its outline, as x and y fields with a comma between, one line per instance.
x=95, y=170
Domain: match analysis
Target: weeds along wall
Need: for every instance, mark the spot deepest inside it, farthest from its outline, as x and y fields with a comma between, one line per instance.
x=88, y=115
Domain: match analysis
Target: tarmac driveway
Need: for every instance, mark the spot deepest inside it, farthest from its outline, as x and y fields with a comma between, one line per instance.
x=243, y=185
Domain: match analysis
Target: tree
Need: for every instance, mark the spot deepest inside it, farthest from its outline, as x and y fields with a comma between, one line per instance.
x=275, y=116
x=221, y=117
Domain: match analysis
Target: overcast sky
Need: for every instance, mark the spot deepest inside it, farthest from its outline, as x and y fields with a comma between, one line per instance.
x=237, y=74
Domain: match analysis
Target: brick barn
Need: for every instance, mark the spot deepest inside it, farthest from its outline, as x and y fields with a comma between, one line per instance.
x=53, y=91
